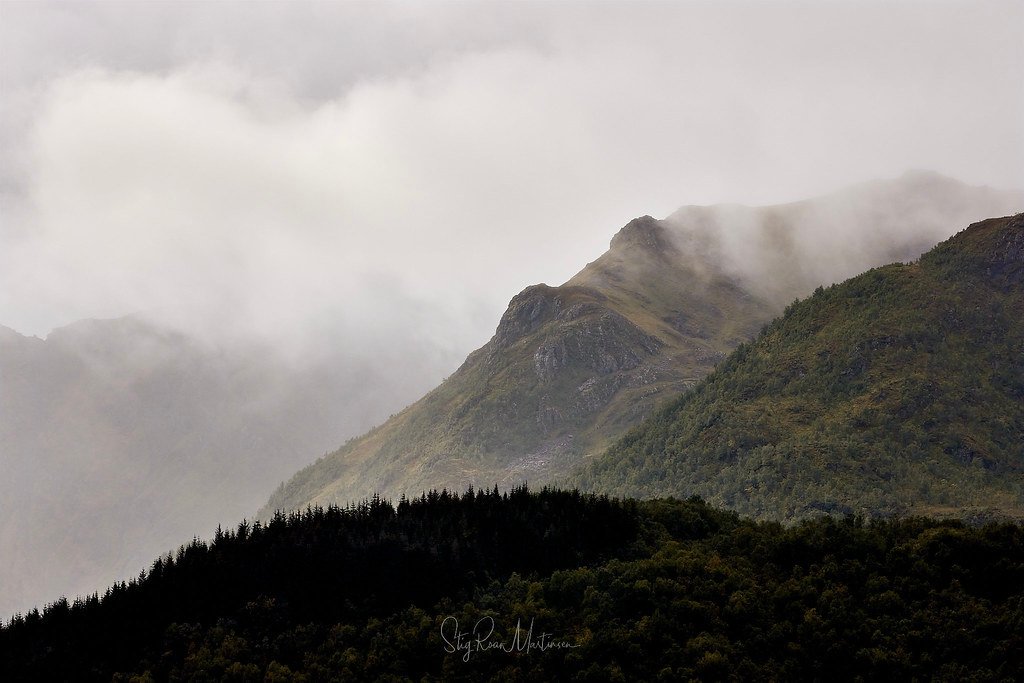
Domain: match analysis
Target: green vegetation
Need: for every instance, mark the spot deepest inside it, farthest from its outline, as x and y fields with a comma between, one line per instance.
x=571, y=369
x=658, y=590
x=568, y=370
x=900, y=390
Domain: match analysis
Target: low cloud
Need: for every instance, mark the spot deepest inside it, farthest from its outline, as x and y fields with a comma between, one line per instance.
x=230, y=199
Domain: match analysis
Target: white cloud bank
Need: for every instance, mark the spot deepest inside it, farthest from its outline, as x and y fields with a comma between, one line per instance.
x=351, y=189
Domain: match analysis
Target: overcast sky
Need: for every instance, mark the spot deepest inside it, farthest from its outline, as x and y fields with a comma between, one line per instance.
x=283, y=168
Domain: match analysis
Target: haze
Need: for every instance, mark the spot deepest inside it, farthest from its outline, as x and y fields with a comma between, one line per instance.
x=289, y=170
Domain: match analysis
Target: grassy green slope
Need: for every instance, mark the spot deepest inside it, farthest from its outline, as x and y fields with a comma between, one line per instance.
x=902, y=388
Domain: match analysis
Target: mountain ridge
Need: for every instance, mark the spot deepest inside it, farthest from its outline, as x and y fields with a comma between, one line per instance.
x=900, y=390
x=571, y=368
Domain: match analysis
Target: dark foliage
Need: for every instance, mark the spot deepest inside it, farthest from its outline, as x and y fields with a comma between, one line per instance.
x=660, y=590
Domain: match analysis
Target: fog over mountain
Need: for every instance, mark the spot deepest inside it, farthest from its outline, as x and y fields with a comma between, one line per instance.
x=785, y=251
x=121, y=439
x=570, y=369
x=899, y=391
x=279, y=168
x=295, y=218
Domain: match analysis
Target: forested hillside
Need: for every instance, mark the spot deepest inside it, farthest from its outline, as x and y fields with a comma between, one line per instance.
x=570, y=369
x=659, y=590
x=900, y=390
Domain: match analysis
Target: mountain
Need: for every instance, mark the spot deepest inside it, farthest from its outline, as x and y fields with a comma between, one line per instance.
x=572, y=368
x=548, y=586
x=119, y=438
x=899, y=390
x=568, y=369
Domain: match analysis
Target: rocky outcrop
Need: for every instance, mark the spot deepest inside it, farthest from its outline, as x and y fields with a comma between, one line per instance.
x=540, y=304
x=603, y=344
x=645, y=234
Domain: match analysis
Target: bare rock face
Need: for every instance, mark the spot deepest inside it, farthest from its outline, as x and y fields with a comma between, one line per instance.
x=597, y=392
x=528, y=310
x=549, y=415
x=644, y=233
x=603, y=344
x=582, y=353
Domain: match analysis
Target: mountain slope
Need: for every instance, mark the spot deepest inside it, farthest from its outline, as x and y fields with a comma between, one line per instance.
x=571, y=368
x=568, y=369
x=899, y=389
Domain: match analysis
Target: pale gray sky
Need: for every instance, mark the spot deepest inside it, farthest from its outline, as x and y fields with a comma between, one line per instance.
x=294, y=169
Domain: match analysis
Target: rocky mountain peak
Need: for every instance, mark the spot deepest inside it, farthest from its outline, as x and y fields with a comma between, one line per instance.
x=527, y=311
x=645, y=233
x=535, y=306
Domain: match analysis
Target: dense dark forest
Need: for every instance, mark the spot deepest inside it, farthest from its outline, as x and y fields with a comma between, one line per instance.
x=613, y=590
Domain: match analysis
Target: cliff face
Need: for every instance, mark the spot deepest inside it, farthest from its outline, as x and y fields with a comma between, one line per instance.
x=571, y=368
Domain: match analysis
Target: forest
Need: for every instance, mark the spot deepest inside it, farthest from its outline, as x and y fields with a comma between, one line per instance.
x=433, y=589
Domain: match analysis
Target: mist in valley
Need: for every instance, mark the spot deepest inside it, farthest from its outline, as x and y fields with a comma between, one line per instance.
x=234, y=235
